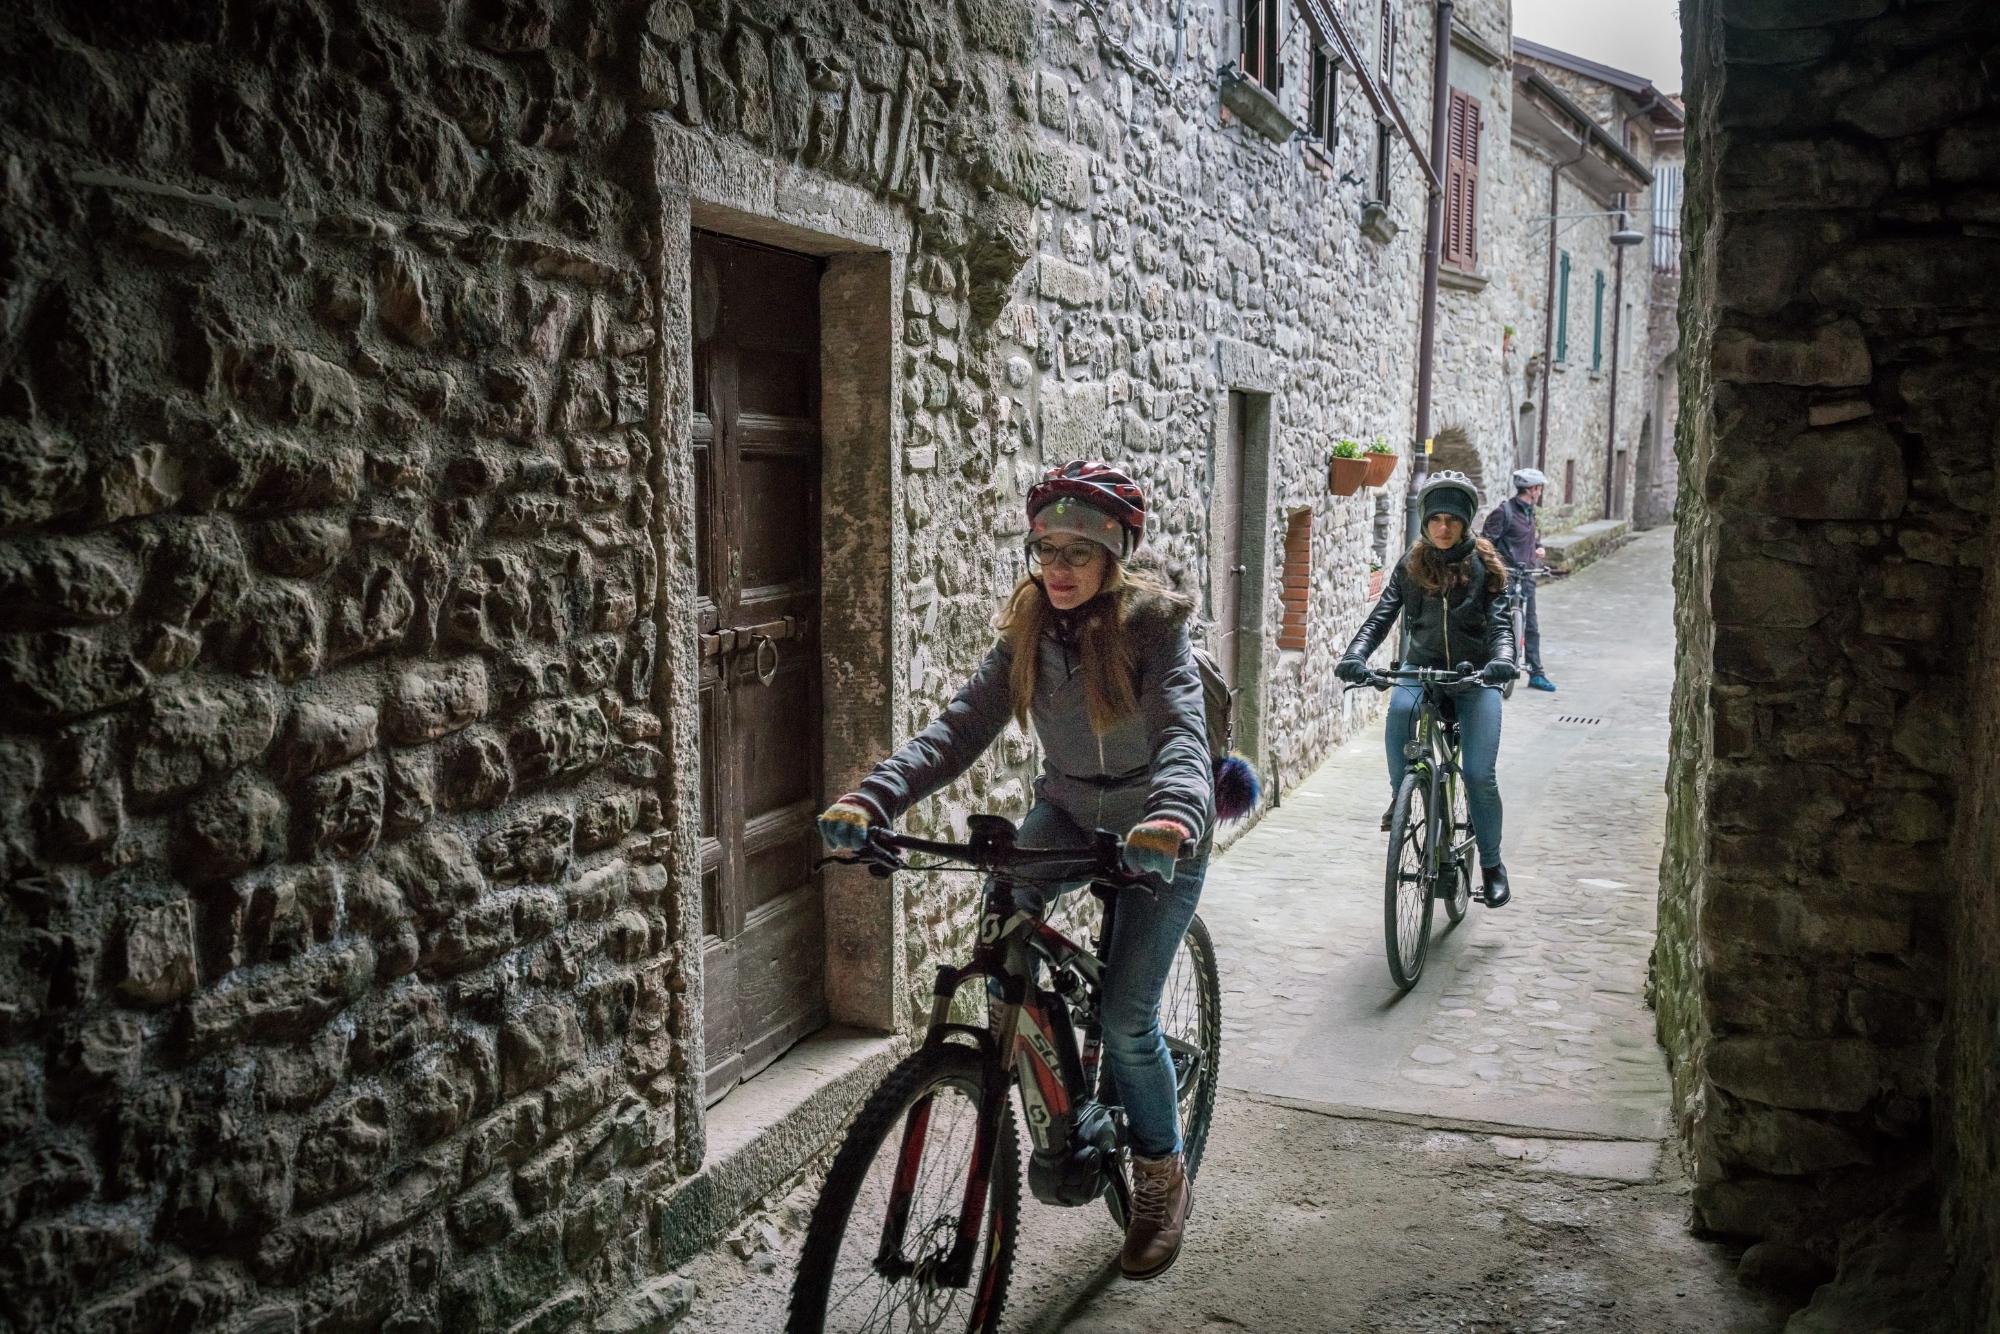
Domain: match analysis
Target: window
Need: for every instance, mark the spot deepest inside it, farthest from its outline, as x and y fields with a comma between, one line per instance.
x=1298, y=581
x=1385, y=72
x=1562, y=308
x=1569, y=481
x=1259, y=53
x=1324, y=124
x=1461, y=182
x=1385, y=48
x=1597, y=325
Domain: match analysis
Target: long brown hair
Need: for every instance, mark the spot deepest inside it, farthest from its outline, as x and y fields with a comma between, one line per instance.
x=1434, y=573
x=1110, y=666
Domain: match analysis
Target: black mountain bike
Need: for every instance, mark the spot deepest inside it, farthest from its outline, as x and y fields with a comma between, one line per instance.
x=916, y=1225
x=1430, y=827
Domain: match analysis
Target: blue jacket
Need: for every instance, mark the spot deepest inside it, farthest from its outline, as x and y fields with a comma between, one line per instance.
x=1153, y=764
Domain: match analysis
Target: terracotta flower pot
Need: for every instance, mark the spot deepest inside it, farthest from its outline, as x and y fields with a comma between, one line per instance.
x=1375, y=583
x=1346, y=476
x=1380, y=468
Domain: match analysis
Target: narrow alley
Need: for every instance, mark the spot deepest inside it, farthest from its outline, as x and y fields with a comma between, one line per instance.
x=1491, y=1151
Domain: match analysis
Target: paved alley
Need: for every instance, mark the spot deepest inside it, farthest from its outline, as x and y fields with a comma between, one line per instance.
x=1489, y=1151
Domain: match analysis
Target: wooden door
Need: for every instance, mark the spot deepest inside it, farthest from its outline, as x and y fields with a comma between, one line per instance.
x=757, y=475
x=1227, y=577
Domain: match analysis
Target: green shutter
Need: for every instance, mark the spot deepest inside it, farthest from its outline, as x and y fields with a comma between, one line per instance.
x=1597, y=326
x=1562, y=310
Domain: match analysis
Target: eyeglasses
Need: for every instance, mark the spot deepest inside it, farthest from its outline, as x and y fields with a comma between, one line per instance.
x=1076, y=555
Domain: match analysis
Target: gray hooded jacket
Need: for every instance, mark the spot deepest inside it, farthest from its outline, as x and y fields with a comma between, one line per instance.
x=1151, y=765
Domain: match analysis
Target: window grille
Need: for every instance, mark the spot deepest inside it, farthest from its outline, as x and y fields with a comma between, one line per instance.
x=1667, y=185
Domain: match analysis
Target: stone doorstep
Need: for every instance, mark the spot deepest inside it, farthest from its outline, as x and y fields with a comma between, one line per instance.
x=1571, y=551
x=769, y=1127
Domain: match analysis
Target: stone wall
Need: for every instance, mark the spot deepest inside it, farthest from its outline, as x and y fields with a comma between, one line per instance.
x=351, y=918
x=339, y=982
x=1837, y=448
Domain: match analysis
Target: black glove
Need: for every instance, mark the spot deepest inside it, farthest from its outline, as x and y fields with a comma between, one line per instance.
x=1498, y=672
x=1354, y=671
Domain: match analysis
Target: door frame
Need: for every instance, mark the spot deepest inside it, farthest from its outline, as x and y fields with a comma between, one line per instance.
x=718, y=186
x=1254, y=550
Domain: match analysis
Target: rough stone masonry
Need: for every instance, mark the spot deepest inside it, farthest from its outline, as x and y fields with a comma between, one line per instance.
x=1825, y=970
x=349, y=944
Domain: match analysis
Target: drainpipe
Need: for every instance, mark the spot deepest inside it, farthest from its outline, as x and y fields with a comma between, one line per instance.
x=1420, y=463
x=1617, y=310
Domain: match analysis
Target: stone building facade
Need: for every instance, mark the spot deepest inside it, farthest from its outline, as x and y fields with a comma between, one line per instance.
x=359, y=409
x=1533, y=342
x=1828, y=968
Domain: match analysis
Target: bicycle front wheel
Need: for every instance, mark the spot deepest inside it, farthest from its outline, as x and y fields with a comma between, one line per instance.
x=1406, y=897
x=888, y=1216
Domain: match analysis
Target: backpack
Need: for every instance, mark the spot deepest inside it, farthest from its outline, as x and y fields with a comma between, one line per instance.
x=1234, y=781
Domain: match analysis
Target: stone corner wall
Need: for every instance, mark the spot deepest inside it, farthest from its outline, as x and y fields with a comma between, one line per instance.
x=1836, y=450
x=340, y=980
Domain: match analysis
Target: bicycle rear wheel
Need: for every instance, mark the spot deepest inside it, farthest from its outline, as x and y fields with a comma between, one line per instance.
x=1455, y=868
x=912, y=1152
x=1406, y=896
x=1191, y=1022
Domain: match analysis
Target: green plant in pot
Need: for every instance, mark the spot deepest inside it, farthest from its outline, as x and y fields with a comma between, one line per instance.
x=1348, y=472
x=1381, y=462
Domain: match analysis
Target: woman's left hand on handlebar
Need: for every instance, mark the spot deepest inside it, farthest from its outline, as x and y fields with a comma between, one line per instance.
x=1498, y=672
x=1153, y=848
x=845, y=825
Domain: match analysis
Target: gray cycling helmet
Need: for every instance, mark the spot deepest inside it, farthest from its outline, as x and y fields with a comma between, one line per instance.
x=1449, y=493
x=1529, y=477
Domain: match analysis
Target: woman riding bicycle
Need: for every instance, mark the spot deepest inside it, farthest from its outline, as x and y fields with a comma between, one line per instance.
x=1451, y=593
x=1096, y=654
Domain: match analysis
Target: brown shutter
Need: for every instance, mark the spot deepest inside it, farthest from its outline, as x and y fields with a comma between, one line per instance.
x=1461, y=182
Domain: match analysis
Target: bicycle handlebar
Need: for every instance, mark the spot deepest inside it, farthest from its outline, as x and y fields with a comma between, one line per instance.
x=1437, y=676
x=991, y=849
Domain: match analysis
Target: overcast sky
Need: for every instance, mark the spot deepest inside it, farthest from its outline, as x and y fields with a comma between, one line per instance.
x=1641, y=36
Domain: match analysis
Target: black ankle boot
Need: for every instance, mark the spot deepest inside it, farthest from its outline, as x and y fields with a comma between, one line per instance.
x=1496, y=893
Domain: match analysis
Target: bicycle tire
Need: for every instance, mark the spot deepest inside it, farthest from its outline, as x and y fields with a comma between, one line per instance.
x=1460, y=899
x=1195, y=980
x=925, y=1073
x=1407, y=886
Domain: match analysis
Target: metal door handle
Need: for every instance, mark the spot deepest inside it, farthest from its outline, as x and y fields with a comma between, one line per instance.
x=766, y=674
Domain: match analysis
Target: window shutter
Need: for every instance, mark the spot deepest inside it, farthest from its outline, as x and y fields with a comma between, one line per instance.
x=1461, y=181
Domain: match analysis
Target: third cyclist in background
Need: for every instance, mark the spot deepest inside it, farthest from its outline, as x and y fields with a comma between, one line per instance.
x=1511, y=529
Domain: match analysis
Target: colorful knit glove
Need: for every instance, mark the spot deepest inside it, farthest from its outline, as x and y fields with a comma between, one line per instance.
x=845, y=824
x=1153, y=847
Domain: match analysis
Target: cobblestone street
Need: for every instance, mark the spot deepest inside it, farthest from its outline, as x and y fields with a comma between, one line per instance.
x=1487, y=1152
x=1533, y=1015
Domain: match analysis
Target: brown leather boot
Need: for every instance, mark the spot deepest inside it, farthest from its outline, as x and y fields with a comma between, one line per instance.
x=1161, y=1198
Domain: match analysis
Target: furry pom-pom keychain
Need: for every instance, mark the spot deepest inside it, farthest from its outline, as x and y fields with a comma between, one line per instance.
x=1235, y=788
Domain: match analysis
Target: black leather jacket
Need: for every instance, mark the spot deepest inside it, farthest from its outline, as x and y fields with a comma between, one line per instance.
x=1476, y=630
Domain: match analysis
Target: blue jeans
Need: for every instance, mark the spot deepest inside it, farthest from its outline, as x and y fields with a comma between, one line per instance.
x=1145, y=935
x=1478, y=754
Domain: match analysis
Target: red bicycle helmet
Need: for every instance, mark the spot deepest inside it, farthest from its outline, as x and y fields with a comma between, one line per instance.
x=1100, y=486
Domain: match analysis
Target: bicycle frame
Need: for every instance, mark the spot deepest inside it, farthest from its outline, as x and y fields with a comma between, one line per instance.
x=1030, y=1037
